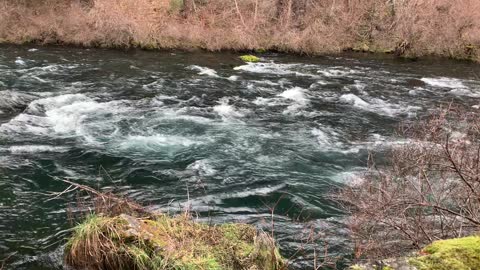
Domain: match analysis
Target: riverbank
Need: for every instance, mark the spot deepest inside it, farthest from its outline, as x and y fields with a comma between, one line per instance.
x=405, y=28
x=237, y=138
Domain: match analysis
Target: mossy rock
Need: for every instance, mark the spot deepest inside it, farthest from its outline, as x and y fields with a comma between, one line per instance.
x=170, y=243
x=458, y=254
x=249, y=58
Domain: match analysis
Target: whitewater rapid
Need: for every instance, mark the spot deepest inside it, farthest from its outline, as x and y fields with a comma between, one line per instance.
x=230, y=136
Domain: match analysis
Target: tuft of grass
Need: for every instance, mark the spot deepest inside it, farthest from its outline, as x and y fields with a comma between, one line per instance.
x=249, y=58
x=170, y=243
x=356, y=267
x=459, y=254
x=176, y=6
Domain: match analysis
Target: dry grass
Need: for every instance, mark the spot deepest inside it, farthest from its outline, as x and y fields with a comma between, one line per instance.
x=430, y=190
x=410, y=27
x=163, y=242
x=121, y=234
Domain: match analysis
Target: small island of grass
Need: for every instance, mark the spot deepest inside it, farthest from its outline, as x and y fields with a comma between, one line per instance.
x=164, y=242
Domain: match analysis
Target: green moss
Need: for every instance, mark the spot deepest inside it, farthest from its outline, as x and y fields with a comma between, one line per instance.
x=459, y=254
x=170, y=243
x=175, y=6
x=249, y=58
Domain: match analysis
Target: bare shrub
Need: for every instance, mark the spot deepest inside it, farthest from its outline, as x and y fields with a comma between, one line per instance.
x=429, y=190
x=410, y=27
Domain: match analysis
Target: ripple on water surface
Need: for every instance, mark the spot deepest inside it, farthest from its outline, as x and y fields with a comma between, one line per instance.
x=236, y=137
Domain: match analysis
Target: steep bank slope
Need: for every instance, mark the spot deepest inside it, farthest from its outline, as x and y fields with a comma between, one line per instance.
x=406, y=27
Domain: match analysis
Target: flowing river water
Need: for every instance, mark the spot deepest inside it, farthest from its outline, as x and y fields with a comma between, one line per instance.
x=202, y=130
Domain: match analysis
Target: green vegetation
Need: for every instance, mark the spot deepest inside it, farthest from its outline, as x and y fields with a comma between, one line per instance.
x=459, y=254
x=176, y=6
x=249, y=58
x=163, y=242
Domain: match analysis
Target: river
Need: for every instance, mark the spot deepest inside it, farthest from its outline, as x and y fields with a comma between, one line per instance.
x=202, y=130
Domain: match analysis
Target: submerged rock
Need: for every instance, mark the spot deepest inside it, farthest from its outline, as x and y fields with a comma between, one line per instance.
x=163, y=242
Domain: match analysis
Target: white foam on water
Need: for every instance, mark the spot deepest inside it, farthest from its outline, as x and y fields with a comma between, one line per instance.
x=46, y=70
x=296, y=94
x=352, y=177
x=38, y=79
x=256, y=191
x=464, y=92
x=50, y=103
x=19, y=61
x=159, y=100
x=68, y=119
x=336, y=72
x=327, y=138
x=183, y=114
x=294, y=110
x=377, y=142
x=274, y=68
x=260, y=101
x=378, y=105
x=360, y=86
x=300, y=101
x=319, y=83
x=202, y=168
x=295, y=98
x=267, y=82
x=219, y=198
x=355, y=101
x=233, y=78
x=204, y=71
x=23, y=149
x=158, y=84
x=63, y=115
x=32, y=50
x=155, y=142
x=267, y=68
x=444, y=82
x=225, y=110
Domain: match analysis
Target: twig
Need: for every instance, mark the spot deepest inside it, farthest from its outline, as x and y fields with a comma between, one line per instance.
x=239, y=14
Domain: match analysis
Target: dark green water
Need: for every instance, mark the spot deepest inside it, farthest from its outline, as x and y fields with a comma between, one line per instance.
x=236, y=137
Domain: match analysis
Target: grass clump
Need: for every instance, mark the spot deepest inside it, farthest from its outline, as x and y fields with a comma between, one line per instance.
x=356, y=267
x=170, y=243
x=176, y=6
x=249, y=58
x=459, y=254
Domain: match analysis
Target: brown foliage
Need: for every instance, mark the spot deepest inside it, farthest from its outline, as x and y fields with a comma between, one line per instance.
x=413, y=27
x=430, y=190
